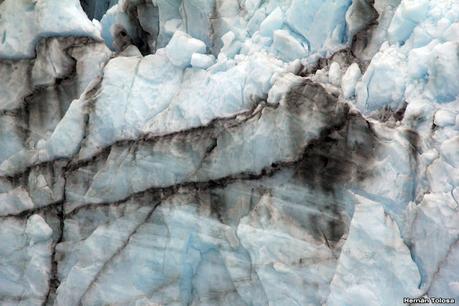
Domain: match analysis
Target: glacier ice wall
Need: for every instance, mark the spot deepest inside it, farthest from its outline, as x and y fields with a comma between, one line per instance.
x=202, y=152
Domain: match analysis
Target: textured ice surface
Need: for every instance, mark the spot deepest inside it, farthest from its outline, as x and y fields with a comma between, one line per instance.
x=382, y=266
x=26, y=260
x=202, y=152
x=24, y=22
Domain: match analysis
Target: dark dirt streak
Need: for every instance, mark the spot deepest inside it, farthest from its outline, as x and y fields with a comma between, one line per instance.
x=41, y=47
x=199, y=186
x=268, y=171
x=75, y=163
x=443, y=262
x=28, y=213
x=54, y=281
x=232, y=121
x=358, y=42
x=90, y=97
x=343, y=153
x=119, y=251
x=325, y=62
x=334, y=159
x=414, y=151
x=58, y=206
x=324, y=163
x=42, y=38
x=362, y=38
x=90, y=100
x=22, y=113
x=21, y=177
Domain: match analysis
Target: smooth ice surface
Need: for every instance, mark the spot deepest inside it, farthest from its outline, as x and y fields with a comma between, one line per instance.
x=382, y=267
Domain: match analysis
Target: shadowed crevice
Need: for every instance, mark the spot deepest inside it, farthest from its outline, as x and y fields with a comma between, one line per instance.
x=95, y=9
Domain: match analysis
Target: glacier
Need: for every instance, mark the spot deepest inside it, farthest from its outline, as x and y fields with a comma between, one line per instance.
x=203, y=152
